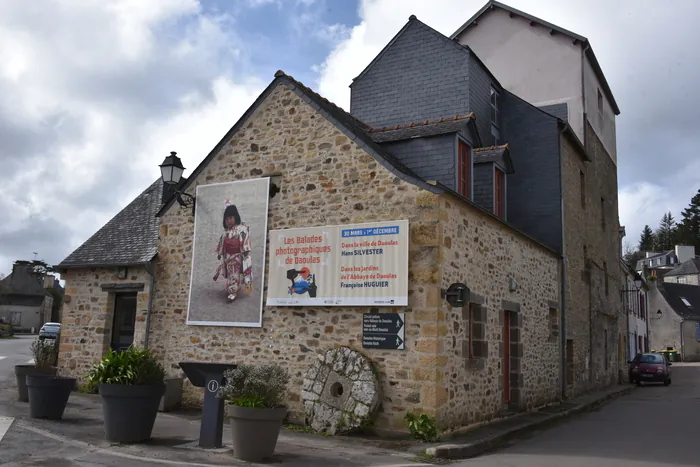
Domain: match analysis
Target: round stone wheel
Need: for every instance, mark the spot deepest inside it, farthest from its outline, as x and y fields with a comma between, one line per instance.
x=341, y=392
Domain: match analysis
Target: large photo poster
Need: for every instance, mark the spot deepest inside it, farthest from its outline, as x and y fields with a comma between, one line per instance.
x=340, y=265
x=228, y=257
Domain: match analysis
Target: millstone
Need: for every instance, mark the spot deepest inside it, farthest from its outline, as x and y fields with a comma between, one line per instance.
x=340, y=392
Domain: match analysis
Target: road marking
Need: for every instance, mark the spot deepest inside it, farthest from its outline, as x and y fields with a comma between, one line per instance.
x=5, y=423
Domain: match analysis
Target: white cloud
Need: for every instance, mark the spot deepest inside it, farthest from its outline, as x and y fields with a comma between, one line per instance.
x=94, y=96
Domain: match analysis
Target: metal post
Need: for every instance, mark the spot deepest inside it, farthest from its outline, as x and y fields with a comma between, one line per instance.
x=212, y=427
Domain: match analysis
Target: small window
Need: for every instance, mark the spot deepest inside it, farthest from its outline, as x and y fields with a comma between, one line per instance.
x=553, y=324
x=605, y=271
x=686, y=302
x=602, y=213
x=463, y=169
x=582, y=183
x=499, y=201
x=494, y=106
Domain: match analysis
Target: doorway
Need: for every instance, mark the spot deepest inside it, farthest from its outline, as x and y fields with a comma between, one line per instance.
x=506, y=356
x=124, y=321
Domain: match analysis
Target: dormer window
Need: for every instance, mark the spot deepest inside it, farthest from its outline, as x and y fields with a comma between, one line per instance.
x=463, y=169
x=494, y=106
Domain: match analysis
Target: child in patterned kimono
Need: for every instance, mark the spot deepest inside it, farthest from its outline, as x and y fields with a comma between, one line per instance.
x=233, y=251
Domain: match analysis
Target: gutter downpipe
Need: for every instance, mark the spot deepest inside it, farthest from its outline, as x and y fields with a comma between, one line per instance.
x=151, y=293
x=563, y=271
x=682, y=344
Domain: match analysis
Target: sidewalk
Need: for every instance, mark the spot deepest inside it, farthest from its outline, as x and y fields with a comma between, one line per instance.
x=488, y=437
x=175, y=436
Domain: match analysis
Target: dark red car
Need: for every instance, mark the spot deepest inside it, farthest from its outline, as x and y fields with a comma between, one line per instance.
x=650, y=368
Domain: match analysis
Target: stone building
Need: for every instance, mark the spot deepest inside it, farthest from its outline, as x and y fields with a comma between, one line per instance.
x=685, y=273
x=557, y=71
x=499, y=195
x=455, y=365
x=674, y=318
x=24, y=301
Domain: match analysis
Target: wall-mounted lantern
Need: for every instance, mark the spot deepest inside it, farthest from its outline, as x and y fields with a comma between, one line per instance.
x=457, y=295
x=171, y=172
x=658, y=314
x=512, y=284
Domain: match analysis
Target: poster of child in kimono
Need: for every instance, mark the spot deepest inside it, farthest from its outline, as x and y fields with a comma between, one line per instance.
x=228, y=259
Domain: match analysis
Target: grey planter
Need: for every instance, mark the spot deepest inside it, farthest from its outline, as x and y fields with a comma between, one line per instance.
x=255, y=431
x=48, y=395
x=21, y=372
x=173, y=394
x=130, y=411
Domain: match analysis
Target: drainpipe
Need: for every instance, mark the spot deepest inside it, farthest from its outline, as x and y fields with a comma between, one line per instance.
x=563, y=270
x=151, y=272
x=682, y=344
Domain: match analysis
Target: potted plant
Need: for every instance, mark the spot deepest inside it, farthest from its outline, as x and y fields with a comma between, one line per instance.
x=131, y=384
x=48, y=393
x=253, y=395
x=43, y=365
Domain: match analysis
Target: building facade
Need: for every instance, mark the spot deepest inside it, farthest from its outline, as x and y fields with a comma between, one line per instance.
x=24, y=302
x=674, y=322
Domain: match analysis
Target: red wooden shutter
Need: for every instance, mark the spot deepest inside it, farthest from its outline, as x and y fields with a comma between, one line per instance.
x=463, y=170
x=499, y=191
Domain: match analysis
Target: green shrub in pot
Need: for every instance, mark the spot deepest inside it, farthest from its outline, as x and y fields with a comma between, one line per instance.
x=45, y=354
x=254, y=395
x=131, y=384
x=47, y=393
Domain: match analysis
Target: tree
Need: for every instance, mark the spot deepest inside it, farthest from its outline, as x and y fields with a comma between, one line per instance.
x=646, y=240
x=689, y=226
x=666, y=234
x=37, y=267
x=630, y=256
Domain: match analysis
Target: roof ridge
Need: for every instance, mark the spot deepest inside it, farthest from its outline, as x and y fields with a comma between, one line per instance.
x=423, y=123
x=491, y=148
x=281, y=73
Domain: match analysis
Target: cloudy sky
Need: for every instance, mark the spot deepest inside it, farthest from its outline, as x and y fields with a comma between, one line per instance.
x=94, y=94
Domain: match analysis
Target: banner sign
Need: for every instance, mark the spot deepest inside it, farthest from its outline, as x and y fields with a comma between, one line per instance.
x=340, y=265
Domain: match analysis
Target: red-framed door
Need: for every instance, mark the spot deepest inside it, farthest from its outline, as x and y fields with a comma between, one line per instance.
x=506, y=356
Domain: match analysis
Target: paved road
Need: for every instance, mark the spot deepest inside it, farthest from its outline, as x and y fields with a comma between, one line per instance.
x=654, y=426
x=14, y=352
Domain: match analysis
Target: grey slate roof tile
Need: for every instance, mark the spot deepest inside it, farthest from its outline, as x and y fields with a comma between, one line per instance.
x=675, y=294
x=692, y=266
x=385, y=135
x=131, y=237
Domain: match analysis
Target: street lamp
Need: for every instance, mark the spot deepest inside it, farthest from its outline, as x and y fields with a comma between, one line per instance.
x=638, y=282
x=171, y=172
x=658, y=314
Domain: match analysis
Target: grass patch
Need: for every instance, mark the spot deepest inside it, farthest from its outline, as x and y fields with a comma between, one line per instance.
x=304, y=429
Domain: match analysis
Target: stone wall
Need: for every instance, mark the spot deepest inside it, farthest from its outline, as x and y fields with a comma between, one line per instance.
x=690, y=279
x=595, y=318
x=691, y=346
x=483, y=253
x=666, y=331
x=88, y=313
x=327, y=179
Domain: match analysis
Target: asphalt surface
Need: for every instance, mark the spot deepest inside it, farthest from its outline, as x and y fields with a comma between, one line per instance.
x=14, y=351
x=654, y=426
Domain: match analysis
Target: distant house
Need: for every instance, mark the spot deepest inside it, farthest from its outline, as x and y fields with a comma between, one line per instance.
x=658, y=264
x=674, y=321
x=687, y=272
x=24, y=301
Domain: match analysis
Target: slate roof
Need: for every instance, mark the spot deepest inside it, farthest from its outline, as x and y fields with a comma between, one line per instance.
x=499, y=154
x=130, y=238
x=420, y=129
x=675, y=295
x=692, y=266
x=585, y=43
x=21, y=282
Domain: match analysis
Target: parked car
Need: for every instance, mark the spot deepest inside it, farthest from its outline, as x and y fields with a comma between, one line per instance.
x=49, y=331
x=650, y=368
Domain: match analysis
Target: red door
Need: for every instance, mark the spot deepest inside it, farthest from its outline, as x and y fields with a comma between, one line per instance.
x=506, y=356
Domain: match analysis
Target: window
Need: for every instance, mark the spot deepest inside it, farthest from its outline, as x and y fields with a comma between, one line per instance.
x=600, y=109
x=605, y=271
x=642, y=311
x=463, y=169
x=582, y=182
x=569, y=361
x=553, y=324
x=496, y=135
x=602, y=212
x=499, y=201
x=494, y=106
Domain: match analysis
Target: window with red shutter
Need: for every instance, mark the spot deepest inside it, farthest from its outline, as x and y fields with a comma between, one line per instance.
x=463, y=168
x=499, y=193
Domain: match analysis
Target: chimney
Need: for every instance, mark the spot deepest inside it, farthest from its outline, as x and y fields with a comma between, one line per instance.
x=651, y=253
x=684, y=253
